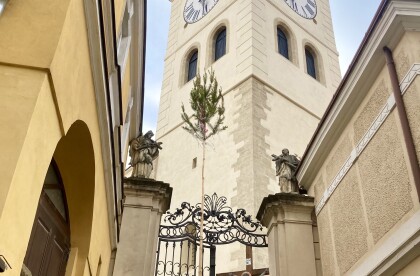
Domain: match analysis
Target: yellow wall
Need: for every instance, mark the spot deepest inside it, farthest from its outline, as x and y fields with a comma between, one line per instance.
x=30, y=31
x=411, y=269
x=19, y=89
x=119, y=12
x=126, y=81
x=48, y=105
x=32, y=152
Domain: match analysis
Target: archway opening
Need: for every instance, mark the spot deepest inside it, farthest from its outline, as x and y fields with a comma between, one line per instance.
x=74, y=157
x=49, y=243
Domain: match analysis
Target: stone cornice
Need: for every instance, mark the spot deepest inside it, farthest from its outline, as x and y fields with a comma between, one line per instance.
x=284, y=198
x=146, y=187
x=237, y=85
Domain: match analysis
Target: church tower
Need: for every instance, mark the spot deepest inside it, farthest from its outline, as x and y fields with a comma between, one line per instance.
x=277, y=64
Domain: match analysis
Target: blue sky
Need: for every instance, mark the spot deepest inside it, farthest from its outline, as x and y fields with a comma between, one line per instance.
x=350, y=20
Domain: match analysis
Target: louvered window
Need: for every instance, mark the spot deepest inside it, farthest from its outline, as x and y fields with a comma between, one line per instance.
x=220, y=44
x=192, y=66
x=283, y=44
x=310, y=63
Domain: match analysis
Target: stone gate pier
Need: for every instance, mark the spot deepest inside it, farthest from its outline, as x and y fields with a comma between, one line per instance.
x=288, y=218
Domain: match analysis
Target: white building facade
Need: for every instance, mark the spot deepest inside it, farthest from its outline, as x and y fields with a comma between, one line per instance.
x=278, y=71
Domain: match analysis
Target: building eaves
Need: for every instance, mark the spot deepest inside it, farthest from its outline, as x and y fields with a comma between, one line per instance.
x=368, y=35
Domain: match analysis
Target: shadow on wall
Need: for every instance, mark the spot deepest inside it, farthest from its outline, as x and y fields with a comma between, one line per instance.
x=74, y=157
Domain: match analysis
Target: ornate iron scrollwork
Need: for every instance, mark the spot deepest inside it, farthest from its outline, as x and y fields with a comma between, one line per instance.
x=221, y=224
x=171, y=263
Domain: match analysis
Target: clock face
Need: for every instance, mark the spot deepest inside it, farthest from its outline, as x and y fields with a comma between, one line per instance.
x=305, y=8
x=194, y=10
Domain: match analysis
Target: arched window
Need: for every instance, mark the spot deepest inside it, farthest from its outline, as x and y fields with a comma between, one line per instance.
x=54, y=189
x=220, y=44
x=192, y=65
x=282, y=43
x=310, y=63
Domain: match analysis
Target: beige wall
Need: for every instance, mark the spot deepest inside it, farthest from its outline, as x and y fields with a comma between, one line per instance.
x=412, y=268
x=251, y=49
x=271, y=103
x=406, y=55
x=377, y=194
x=48, y=110
x=281, y=105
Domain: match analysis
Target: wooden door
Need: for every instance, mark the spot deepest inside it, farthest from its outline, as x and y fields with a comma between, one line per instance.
x=49, y=244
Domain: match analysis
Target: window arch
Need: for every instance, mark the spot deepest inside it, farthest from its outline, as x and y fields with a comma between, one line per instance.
x=192, y=65
x=282, y=43
x=54, y=189
x=220, y=43
x=310, y=63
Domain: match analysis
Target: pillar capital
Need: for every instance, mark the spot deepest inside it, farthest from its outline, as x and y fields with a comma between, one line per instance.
x=286, y=207
x=147, y=193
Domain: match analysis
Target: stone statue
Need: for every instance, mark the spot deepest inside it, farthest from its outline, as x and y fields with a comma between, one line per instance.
x=286, y=166
x=143, y=150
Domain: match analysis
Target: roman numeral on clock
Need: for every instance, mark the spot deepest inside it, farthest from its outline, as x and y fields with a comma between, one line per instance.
x=196, y=15
x=312, y=3
x=309, y=9
x=189, y=8
x=191, y=14
x=305, y=8
x=194, y=10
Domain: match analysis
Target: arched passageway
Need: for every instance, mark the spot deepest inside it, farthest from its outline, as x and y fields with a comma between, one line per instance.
x=65, y=217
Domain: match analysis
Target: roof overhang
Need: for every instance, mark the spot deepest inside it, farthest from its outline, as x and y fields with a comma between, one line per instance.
x=391, y=21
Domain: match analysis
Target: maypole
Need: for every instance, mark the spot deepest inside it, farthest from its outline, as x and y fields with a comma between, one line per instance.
x=206, y=101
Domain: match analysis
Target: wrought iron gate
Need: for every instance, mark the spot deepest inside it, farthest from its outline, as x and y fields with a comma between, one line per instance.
x=179, y=236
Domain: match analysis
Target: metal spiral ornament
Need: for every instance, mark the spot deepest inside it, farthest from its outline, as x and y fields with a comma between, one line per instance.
x=221, y=224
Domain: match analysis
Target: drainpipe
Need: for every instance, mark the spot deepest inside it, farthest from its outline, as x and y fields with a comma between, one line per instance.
x=402, y=114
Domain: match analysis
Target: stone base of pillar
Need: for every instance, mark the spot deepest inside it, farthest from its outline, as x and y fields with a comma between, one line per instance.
x=288, y=218
x=145, y=202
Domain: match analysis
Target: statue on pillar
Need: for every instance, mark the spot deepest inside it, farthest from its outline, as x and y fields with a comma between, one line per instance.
x=143, y=150
x=286, y=166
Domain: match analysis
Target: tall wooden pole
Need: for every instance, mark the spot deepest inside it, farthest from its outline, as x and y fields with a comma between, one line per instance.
x=200, y=264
